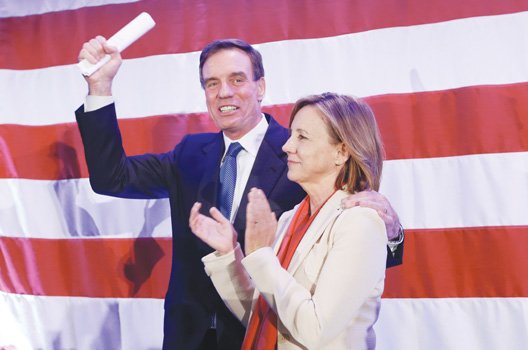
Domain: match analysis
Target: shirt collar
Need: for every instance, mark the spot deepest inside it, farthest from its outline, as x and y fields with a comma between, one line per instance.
x=252, y=140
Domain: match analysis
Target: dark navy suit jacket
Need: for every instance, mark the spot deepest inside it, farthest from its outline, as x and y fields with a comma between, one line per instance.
x=187, y=174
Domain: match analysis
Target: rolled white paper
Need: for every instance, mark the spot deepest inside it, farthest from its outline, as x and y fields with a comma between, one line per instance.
x=122, y=39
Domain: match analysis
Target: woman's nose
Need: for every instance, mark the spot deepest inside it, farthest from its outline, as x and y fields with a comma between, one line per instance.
x=288, y=147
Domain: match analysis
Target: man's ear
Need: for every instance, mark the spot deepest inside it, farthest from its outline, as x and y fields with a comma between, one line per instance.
x=261, y=86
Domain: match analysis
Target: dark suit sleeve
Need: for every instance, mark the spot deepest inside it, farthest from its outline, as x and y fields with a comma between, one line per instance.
x=395, y=258
x=111, y=171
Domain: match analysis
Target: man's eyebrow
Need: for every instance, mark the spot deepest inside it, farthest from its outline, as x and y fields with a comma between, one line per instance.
x=234, y=74
x=209, y=79
x=238, y=74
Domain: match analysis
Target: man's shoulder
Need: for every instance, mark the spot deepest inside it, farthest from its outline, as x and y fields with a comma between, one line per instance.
x=194, y=147
x=201, y=138
x=276, y=132
x=192, y=142
x=274, y=123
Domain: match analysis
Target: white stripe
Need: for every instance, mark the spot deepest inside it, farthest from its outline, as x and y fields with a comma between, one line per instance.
x=20, y=8
x=43, y=322
x=465, y=52
x=466, y=191
x=454, y=324
x=407, y=324
x=70, y=209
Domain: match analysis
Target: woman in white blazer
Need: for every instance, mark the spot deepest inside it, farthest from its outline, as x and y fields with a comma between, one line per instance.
x=326, y=293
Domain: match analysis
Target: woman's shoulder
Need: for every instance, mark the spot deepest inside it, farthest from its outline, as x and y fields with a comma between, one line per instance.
x=359, y=221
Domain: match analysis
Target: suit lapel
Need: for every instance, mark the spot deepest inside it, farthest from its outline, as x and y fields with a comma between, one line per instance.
x=327, y=214
x=207, y=190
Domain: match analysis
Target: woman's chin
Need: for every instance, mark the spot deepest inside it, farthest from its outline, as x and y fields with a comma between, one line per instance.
x=292, y=176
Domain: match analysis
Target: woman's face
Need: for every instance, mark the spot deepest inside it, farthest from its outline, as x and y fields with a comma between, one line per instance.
x=313, y=157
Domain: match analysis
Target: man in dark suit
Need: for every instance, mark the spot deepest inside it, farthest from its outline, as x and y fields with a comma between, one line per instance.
x=232, y=75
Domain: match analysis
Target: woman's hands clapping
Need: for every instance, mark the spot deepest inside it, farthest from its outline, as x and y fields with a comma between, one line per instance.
x=218, y=232
x=261, y=223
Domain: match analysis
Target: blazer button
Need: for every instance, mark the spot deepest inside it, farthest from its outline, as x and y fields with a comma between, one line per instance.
x=281, y=339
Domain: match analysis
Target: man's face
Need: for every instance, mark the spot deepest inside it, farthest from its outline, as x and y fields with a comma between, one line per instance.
x=231, y=94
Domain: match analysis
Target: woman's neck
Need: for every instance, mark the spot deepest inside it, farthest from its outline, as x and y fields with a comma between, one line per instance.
x=318, y=195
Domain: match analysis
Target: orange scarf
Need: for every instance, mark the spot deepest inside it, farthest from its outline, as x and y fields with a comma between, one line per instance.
x=261, y=332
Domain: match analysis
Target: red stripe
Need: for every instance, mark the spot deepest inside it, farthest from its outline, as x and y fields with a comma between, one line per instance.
x=55, y=38
x=119, y=268
x=471, y=120
x=465, y=262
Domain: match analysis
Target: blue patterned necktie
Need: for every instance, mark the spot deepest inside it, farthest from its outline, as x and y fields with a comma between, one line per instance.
x=228, y=173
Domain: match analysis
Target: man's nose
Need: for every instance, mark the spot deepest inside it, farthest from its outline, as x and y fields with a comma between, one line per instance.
x=226, y=90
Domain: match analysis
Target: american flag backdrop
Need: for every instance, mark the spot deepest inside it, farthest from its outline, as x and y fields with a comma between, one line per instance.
x=447, y=80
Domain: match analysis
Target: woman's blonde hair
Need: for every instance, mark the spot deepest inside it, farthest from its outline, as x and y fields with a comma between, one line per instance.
x=350, y=121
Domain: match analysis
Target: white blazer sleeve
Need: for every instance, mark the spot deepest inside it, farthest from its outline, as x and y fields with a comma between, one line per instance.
x=231, y=281
x=352, y=271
